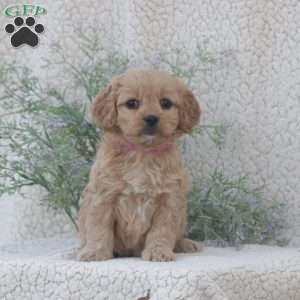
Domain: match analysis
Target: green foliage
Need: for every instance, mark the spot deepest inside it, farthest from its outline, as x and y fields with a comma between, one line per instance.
x=48, y=141
x=229, y=211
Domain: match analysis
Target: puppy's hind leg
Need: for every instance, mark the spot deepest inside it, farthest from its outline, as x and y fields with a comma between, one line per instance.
x=187, y=246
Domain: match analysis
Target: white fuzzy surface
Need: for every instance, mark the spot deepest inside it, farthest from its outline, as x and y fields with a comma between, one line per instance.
x=47, y=269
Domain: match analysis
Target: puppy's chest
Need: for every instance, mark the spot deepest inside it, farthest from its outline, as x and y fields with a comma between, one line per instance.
x=135, y=210
x=147, y=179
x=133, y=218
x=139, y=199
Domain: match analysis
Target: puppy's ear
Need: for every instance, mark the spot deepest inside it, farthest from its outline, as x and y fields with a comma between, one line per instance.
x=104, y=110
x=189, y=112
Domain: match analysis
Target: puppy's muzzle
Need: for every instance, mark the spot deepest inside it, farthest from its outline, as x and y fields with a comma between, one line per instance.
x=151, y=122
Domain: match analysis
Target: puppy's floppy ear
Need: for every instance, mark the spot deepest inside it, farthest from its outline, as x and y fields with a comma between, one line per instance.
x=189, y=112
x=104, y=110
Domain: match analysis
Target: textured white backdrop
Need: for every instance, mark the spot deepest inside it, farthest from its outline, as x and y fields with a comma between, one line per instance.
x=255, y=87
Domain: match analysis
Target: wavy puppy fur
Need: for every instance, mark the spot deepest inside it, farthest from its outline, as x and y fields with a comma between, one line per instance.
x=135, y=201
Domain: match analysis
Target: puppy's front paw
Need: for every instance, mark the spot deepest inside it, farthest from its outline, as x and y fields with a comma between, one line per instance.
x=158, y=253
x=91, y=254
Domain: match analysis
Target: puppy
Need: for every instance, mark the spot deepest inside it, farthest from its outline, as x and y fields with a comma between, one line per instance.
x=135, y=201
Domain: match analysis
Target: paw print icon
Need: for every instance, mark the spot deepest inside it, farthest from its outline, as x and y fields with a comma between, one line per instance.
x=24, y=33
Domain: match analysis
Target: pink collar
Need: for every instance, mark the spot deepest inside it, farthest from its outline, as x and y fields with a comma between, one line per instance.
x=129, y=147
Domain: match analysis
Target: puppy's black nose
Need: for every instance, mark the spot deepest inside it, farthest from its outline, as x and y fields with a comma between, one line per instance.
x=151, y=120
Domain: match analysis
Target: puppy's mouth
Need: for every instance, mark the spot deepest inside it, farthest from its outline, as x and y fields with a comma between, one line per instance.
x=150, y=135
x=150, y=131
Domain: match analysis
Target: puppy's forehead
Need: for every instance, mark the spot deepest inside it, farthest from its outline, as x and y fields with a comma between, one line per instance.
x=149, y=82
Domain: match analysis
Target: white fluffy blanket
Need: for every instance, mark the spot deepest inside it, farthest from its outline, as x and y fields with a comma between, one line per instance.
x=47, y=269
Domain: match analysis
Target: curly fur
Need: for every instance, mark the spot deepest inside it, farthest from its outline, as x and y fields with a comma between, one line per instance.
x=135, y=201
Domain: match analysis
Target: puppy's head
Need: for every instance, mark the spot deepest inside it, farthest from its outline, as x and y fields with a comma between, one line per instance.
x=146, y=107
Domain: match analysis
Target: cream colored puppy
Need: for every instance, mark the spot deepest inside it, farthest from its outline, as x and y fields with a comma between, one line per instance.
x=135, y=201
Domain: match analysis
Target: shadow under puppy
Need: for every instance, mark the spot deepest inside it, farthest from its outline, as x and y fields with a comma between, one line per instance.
x=135, y=201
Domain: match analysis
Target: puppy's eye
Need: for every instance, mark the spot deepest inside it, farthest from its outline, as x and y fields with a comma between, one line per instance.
x=166, y=103
x=132, y=104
